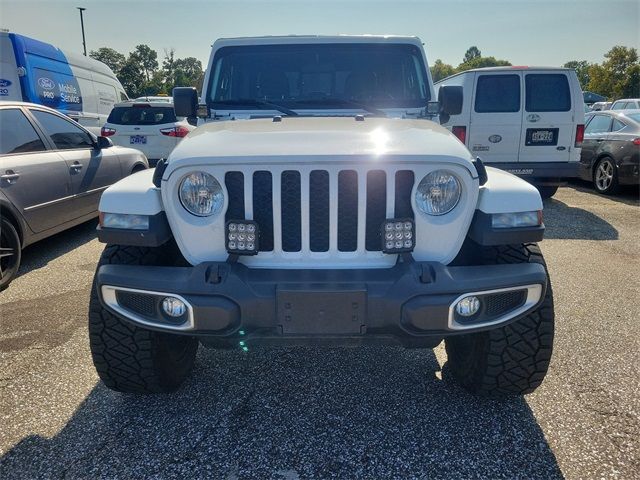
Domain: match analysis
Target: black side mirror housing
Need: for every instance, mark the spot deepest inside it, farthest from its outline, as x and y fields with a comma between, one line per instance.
x=103, y=142
x=185, y=101
x=450, y=99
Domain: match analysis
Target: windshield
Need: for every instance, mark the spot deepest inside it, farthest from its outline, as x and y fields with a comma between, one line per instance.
x=342, y=76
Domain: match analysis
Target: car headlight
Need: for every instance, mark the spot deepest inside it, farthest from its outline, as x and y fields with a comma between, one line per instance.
x=438, y=193
x=201, y=194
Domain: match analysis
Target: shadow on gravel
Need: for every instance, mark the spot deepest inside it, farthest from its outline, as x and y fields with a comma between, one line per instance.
x=41, y=253
x=571, y=223
x=628, y=194
x=373, y=412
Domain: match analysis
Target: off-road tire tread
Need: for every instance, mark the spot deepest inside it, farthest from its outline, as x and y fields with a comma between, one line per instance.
x=514, y=359
x=126, y=357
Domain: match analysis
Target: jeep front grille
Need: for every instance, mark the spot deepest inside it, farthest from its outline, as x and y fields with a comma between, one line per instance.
x=317, y=210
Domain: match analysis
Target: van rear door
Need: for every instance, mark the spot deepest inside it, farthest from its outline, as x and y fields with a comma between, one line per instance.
x=496, y=116
x=548, y=127
x=9, y=80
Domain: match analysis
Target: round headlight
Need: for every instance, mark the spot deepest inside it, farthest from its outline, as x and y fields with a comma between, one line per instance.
x=438, y=193
x=201, y=194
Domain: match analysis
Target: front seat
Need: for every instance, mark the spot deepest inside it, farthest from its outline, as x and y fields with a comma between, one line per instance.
x=273, y=85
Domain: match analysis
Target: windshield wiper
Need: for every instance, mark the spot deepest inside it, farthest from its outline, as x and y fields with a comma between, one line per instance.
x=257, y=103
x=344, y=102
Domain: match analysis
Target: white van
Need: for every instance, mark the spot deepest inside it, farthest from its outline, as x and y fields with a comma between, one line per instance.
x=528, y=121
x=37, y=72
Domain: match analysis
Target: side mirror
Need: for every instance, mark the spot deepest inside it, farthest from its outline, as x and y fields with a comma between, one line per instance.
x=185, y=101
x=450, y=99
x=103, y=142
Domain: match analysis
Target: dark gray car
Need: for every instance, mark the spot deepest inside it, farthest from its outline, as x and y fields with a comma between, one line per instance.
x=611, y=149
x=52, y=173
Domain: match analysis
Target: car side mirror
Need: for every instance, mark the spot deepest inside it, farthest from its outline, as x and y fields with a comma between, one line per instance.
x=450, y=99
x=103, y=142
x=185, y=101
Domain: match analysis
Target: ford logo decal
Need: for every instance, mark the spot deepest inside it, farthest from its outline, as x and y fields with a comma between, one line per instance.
x=4, y=83
x=46, y=83
x=495, y=138
x=533, y=117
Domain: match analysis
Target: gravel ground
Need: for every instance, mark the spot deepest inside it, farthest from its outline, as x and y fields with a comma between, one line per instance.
x=374, y=412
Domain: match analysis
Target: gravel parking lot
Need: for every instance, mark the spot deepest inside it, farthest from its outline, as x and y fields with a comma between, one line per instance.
x=374, y=412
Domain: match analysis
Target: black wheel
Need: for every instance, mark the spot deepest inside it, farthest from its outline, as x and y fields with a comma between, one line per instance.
x=129, y=358
x=511, y=360
x=605, y=176
x=10, y=252
x=547, y=191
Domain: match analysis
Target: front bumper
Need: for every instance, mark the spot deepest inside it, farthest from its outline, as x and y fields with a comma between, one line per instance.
x=540, y=172
x=412, y=300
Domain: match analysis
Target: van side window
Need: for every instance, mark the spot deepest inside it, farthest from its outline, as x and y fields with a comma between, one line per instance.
x=17, y=135
x=63, y=133
x=599, y=124
x=498, y=93
x=547, y=92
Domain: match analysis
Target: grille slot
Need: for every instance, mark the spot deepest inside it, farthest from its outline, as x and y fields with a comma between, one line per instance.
x=139, y=303
x=376, y=208
x=234, y=181
x=348, y=211
x=290, y=205
x=319, y=211
x=263, y=208
x=404, y=186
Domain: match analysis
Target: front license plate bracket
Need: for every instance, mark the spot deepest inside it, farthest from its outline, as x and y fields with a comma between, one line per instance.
x=321, y=312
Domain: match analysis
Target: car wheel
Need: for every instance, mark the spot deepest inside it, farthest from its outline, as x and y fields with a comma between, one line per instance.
x=547, y=191
x=10, y=252
x=133, y=359
x=510, y=360
x=605, y=176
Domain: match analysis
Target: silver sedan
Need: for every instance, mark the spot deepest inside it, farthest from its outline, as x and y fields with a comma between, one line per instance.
x=52, y=173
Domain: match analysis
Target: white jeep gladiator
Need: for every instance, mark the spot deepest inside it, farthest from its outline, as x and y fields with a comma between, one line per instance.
x=320, y=201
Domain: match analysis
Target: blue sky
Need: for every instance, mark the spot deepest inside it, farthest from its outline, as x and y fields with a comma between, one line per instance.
x=525, y=32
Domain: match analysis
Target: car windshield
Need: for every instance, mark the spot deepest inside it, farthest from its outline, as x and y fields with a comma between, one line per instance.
x=318, y=76
x=141, y=115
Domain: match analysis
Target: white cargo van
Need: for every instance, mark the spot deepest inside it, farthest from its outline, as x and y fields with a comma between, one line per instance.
x=37, y=72
x=528, y=121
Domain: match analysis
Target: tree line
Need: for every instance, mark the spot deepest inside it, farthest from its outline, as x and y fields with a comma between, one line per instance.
x=618, y=76
x=141, y=74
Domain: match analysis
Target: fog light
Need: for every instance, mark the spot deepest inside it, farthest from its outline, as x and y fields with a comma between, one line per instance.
x=174, y=307
x=398, y=235
x=242, y=237
x=468, y=306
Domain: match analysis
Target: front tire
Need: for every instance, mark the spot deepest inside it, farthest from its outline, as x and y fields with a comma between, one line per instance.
x=10, y=252
x=511, y=360
x=129, y=358
x=547, y=191
x=605, y=176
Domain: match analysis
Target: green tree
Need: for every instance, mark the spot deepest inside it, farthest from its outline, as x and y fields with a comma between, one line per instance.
x=188, y=72
x=618, y=76
x=582, y=71
x=147, y=59
x=440, y=70
x=471, y=53
x=480, y=62
x=110, y=57
x=132, y=78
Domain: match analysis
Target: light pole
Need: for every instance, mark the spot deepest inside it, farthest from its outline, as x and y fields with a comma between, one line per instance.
x=84, y=43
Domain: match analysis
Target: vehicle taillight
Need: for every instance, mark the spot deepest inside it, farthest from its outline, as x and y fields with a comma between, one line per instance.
x=460, y=132
x=107, y=132
x=178, y=131
x=636, y=141
x=579, y=135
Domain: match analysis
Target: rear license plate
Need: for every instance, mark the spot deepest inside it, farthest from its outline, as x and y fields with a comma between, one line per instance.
x=137, y=139
x=542, y=136
x=321, y=312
